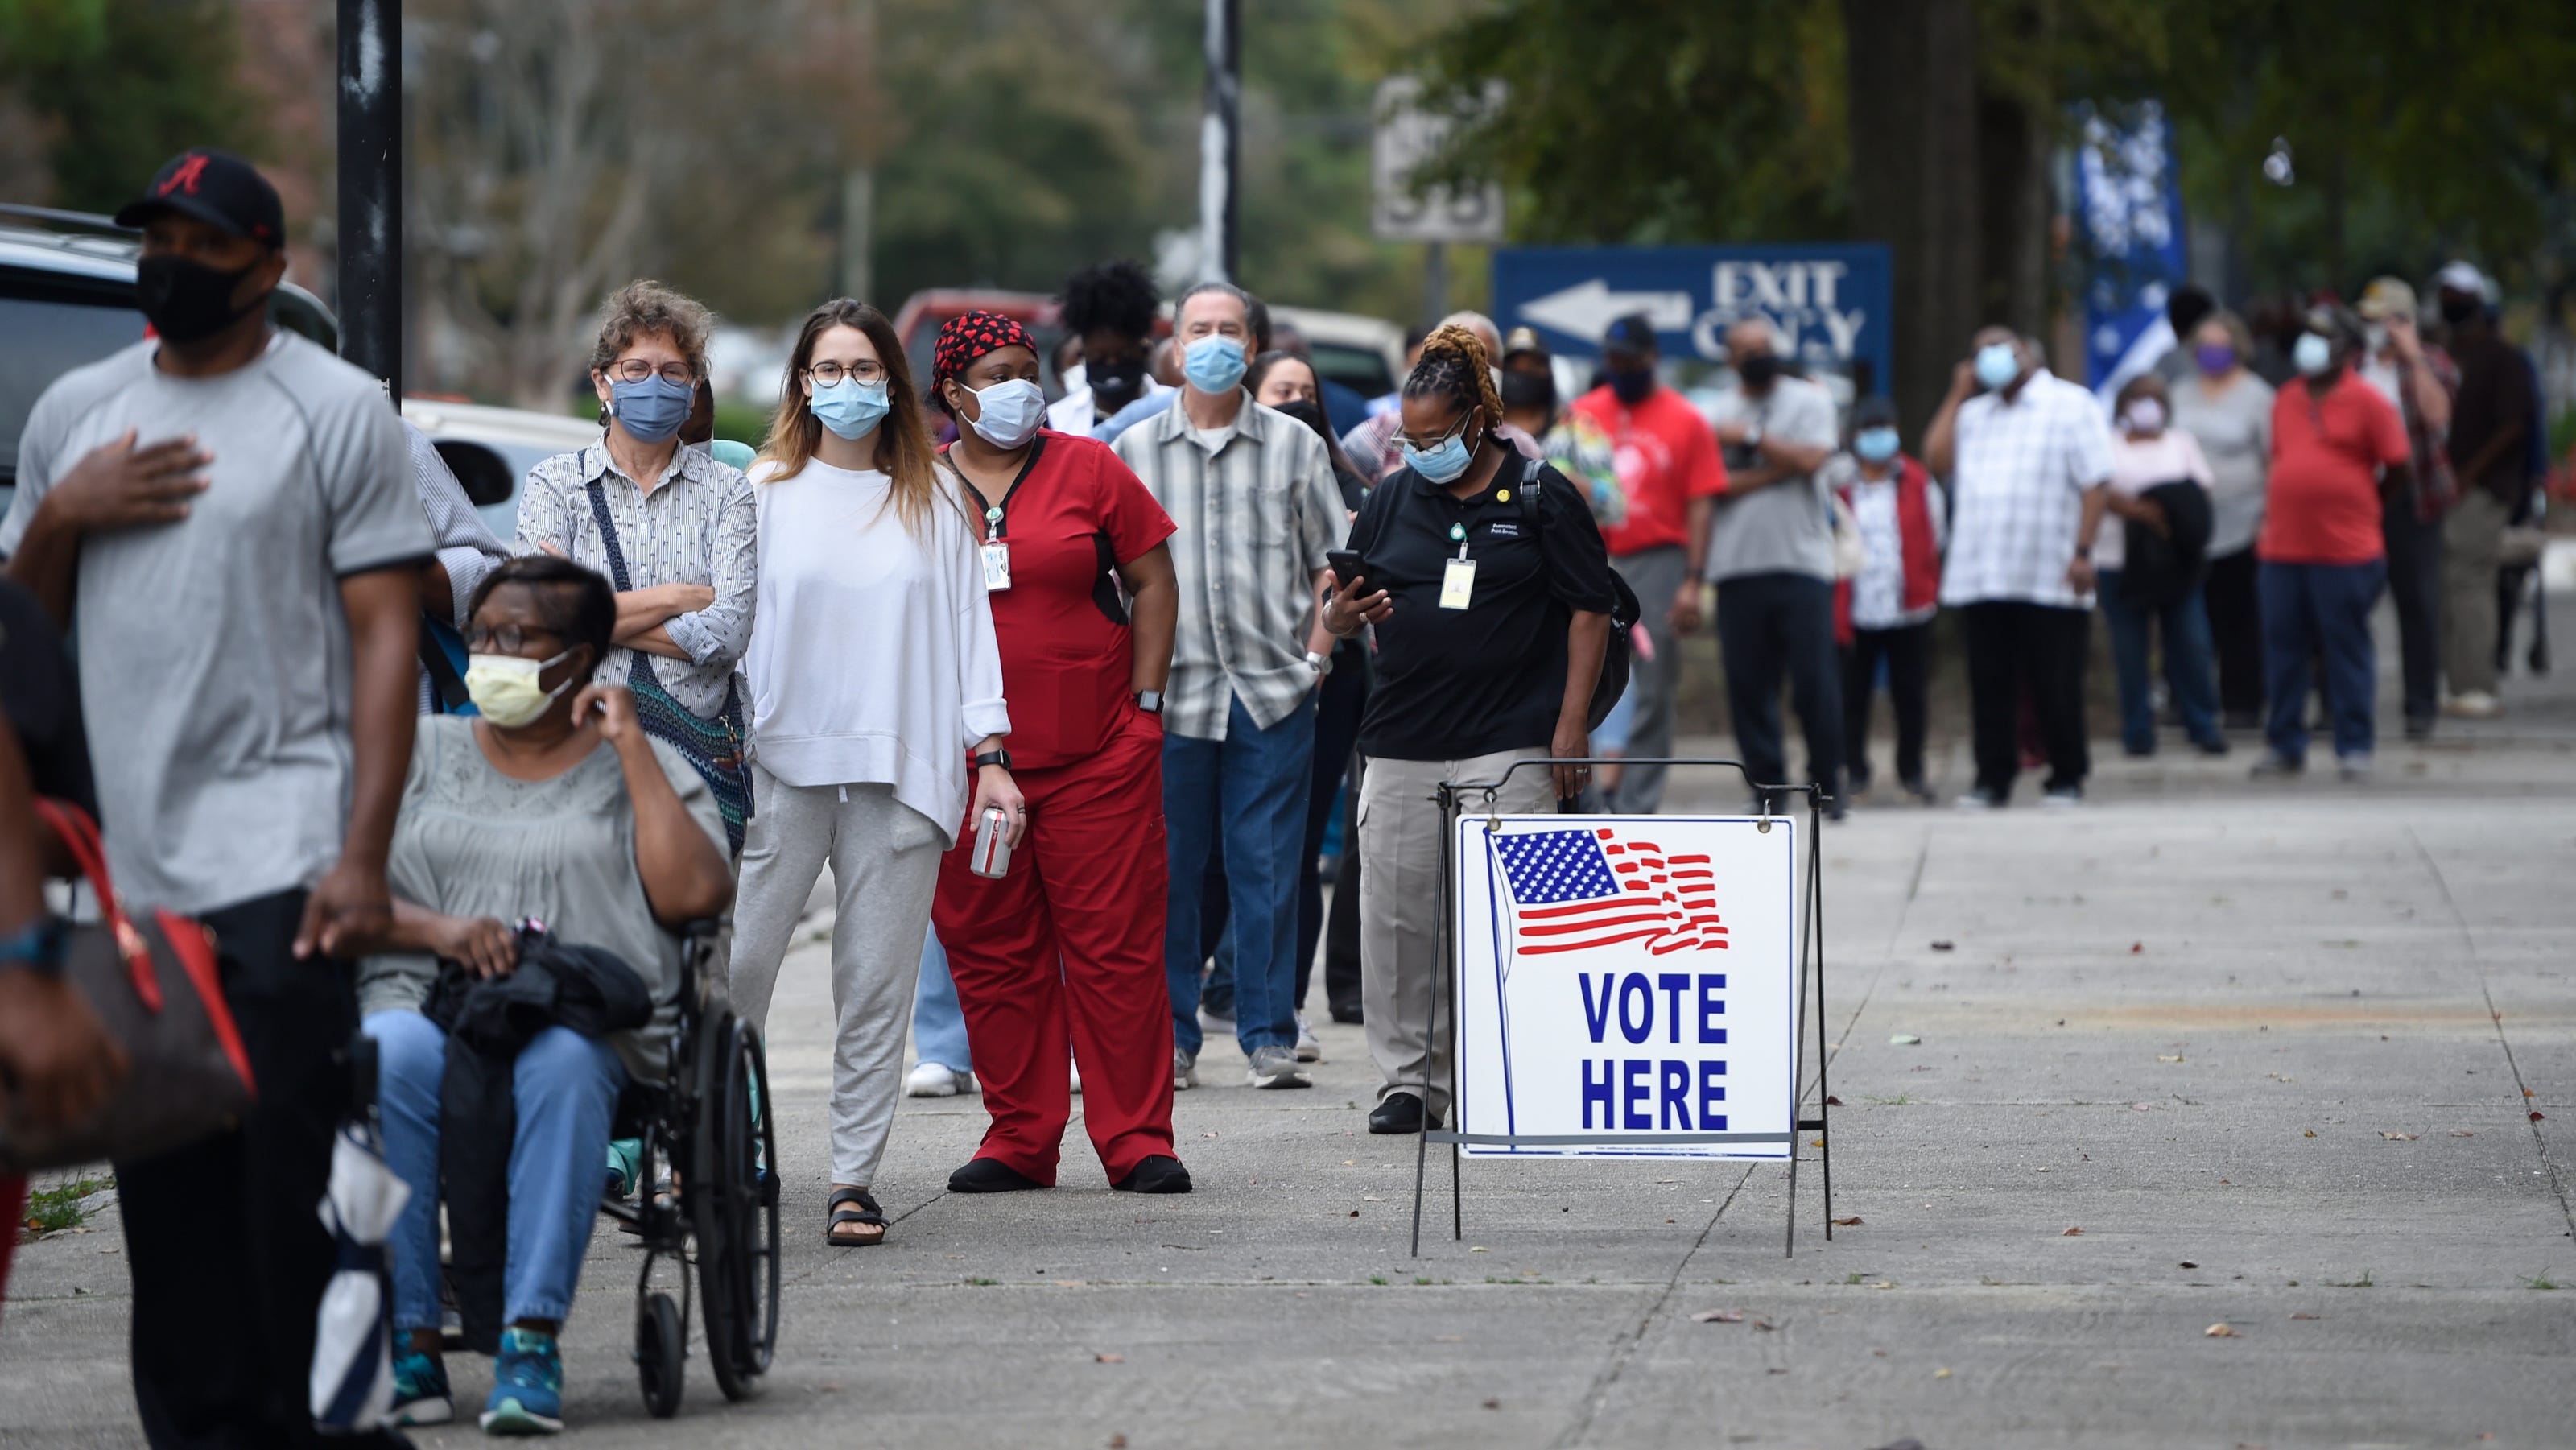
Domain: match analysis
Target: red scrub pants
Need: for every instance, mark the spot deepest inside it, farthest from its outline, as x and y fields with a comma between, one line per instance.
x=1068, y=947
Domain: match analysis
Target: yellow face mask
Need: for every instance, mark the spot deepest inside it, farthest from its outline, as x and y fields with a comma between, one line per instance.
x=504, y=687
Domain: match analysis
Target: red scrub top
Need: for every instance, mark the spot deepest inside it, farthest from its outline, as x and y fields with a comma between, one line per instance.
x=1074, y=514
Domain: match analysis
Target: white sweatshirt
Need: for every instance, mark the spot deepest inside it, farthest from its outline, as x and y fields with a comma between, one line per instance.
x=872, y=656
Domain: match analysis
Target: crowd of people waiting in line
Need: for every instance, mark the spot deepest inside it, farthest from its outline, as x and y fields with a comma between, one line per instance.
x=1105, y=629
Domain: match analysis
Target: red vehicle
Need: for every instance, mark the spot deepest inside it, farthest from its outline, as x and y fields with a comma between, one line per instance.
x=923, y=312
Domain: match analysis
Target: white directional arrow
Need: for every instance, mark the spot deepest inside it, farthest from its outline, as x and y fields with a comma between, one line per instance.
x=1587, y=309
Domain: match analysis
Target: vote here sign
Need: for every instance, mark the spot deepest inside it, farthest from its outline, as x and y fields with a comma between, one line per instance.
x=1627, y=986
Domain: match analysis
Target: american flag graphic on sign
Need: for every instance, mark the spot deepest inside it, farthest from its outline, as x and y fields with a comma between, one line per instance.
x=1575, y=890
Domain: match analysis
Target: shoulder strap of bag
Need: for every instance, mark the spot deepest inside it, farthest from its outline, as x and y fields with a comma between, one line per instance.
x=608, y=537
x=1530, y=484
x=79, y=835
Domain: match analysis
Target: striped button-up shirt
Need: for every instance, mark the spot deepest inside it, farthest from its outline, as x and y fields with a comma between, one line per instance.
x=2022, y=468
x=1255, y=509
x=696, y=525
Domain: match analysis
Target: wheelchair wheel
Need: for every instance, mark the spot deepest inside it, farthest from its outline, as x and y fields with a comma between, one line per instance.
x=734, y=1206
x=661, y=1341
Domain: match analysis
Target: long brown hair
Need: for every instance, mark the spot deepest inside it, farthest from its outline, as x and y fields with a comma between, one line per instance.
x=903, y=448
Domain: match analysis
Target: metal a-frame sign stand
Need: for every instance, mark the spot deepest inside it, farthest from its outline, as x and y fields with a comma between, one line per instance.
x=1455, y=800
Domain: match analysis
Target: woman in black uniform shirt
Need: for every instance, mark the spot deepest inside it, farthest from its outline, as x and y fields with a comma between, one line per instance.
x=1492, y=612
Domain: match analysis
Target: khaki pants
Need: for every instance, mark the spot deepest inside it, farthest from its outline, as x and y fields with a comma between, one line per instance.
x=2472, y=535
x=1400, y=909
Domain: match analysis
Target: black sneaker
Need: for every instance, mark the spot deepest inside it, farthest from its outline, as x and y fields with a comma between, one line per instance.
x=1348, y=1012
x=1157, y=1174
x=1398, y=1113
x=990, y=1175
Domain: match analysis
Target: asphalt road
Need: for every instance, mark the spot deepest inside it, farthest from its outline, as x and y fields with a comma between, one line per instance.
x=2298, y=1061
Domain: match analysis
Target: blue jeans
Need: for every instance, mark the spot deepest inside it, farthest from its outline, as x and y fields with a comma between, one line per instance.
x=938, y=1025
x=2188, y=666
x=2321, y=609
x=1249, y=788
x=566, y=1088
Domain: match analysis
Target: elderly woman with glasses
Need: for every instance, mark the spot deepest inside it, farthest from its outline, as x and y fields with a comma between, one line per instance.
x=553, y=805
x=670, y=526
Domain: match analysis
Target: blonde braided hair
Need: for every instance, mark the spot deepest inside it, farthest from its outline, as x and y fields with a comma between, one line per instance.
x=1454, y=366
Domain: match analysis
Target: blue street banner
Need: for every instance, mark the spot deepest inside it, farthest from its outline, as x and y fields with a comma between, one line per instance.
x=1830, y=301
x=2128, y=212
x=1627, y=986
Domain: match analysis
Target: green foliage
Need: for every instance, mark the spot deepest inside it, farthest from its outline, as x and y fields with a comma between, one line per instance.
x=116, y=87
x=52, y=1210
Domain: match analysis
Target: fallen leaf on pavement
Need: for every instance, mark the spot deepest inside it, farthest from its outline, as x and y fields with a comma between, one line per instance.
x=1493, y=1404
x=1904, y=1039
x=1117, y=1442
x=1355, y=1213
x=2537, y=1116
x=2303, y=1314
x=2136, y=947
x=1448, y=1339
x=1851, y=1222
x=1943, y=946
x=1480, y=1249
x=2187, y=1264
x=1764, y=1324
x=1719, y=1316
x=1832, y=1102
x=1110, y=1358
x=1940, y=1374
x=2070, y=1233
x=2462, y=1133
x=2141, y=1108
x=2312, y=1132
x=2221, y=1330
x=2160, y=1057
x=2397, y=1137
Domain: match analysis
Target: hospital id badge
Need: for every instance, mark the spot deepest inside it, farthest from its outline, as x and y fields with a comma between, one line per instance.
x=1457, y=583
x=997, y=566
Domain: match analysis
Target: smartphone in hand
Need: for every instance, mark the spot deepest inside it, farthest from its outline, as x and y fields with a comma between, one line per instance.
x=1346, y=566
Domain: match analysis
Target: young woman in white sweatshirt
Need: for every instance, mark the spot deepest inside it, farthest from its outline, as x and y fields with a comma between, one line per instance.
x=875, y=681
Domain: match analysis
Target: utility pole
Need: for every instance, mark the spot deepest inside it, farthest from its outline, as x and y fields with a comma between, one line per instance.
x=859, y=178
x=370, y=166
x=1221, y=143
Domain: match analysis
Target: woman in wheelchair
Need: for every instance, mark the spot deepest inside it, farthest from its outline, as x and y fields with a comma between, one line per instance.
x=552, y=806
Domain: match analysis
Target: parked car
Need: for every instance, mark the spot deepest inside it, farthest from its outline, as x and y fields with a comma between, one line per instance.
x=67, y=298
x=490, y=450
x=1362, y=353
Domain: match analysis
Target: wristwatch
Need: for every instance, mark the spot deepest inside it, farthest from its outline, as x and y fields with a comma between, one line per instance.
x=2084, y=551
x=1322, y=665
x=1150, y=701
x=1001, y=758
x=36, y=947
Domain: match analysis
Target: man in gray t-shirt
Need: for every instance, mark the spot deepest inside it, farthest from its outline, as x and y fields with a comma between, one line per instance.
x=223, y=515
x=1771, y=555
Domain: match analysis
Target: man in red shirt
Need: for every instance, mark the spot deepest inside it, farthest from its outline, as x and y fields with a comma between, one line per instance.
x=1669, y=469
x=2337, y=448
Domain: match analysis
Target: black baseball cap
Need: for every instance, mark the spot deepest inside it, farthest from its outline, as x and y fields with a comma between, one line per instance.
x=1874, y=411
x=215, y=187
x=1630, y=334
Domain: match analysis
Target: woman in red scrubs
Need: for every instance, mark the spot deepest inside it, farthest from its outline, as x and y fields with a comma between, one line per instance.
x=1067, y=945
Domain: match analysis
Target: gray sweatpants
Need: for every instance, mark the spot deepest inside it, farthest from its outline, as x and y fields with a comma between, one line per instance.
x=1655, y=576
x=1400, y=909
x=885, y=864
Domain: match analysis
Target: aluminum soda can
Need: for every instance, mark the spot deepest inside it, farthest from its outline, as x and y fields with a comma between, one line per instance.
x=992, y=855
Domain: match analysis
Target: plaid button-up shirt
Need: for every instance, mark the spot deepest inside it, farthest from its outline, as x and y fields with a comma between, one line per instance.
x=2019, y=479
x=1255, y=509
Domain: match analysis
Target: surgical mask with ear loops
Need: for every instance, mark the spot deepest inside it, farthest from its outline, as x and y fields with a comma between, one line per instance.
x=2312, y=353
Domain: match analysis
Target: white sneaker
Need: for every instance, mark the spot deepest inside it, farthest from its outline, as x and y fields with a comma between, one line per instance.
x=2063, y=798
x=1976, y=800
x=1276, y=1067
x=2353, y=767
x=937, y=1080
x=1309, y=1047
x=2473, y=705
x=1185, y=1069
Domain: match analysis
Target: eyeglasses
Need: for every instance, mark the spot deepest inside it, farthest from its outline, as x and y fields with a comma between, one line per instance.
x=826, y=374
x=636, y=370
x=508, y=639
x=1408, y=440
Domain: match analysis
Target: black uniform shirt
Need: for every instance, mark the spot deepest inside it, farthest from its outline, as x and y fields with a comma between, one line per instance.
x=1454, y=683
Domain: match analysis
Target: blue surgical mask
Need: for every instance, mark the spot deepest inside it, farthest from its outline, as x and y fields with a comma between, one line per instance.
x=1998, y=363
x=2312, y=353
x=1214, y=363
x=653, y=409
x=1445, y=463
x=1008, y=413
x=1875, y=444
x=850, y=408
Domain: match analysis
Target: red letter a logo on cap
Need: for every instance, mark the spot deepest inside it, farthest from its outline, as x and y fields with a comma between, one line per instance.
x=186, y=176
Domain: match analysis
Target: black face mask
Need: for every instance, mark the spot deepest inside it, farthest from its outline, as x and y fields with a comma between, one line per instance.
x=1528, y=390
x=2456, y=310
x=189, y=301
x=1632, y=387
x=1758, y=370
x=1116, y=382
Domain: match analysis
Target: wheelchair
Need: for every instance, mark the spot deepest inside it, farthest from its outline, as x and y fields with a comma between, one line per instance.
x=707, y=1131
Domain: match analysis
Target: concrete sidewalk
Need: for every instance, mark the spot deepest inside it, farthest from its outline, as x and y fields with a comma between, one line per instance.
x=2193, y=1054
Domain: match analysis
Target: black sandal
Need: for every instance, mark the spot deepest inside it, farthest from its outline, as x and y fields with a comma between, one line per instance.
x=868, y=1212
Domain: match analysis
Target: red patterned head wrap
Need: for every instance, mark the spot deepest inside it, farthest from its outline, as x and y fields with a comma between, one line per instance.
x=970, y=335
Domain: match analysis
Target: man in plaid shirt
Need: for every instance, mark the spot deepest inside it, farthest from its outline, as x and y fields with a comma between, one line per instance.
x=2420, y=378
x=2028, y=457
x=1251, y=493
